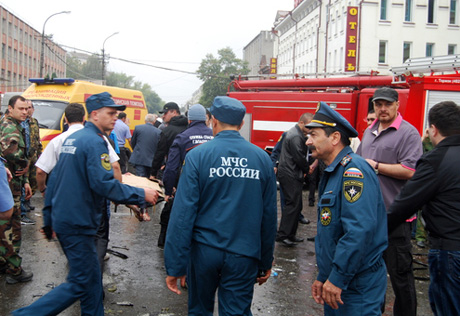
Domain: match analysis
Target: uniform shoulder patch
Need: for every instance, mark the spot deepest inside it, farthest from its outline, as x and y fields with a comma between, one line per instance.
x=353, y=173
x=105, y=162
x=345, y=160
x=352, y=190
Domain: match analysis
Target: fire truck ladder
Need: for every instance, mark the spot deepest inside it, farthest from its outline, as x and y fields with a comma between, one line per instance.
x=424, y=65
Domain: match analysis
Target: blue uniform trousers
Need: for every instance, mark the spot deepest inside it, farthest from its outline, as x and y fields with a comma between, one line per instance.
x=83, y=281
x=444, y=292
x=232, y=274
x=365, y=294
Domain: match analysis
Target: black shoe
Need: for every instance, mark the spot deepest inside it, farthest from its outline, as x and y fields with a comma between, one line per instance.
x=162, y=238
x=287, y=242
x=311, y=238
x=296, y=239
x=23, y=276
x=305, y=221
x=312, y=203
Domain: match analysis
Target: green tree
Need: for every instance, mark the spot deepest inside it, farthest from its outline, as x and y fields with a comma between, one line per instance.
x=215, y=73
x=93, y=67
x=73, y=67
x=152, y=99
x=119, y=79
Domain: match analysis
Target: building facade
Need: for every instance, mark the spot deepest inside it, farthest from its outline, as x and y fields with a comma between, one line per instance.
x=259, y=52
x=20, y=54
x=340, y=37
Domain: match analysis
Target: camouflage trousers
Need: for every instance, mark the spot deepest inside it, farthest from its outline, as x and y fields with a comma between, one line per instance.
x=10, y=239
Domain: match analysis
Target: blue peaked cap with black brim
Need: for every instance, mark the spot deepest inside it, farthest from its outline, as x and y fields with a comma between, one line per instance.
x=327, y=117
x=228, y=110
x=101, y=100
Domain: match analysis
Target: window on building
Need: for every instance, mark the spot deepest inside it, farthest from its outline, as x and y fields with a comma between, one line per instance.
x=406, y=50
x=453, y=12
x=383, y=9
x=408, y=10
x=3, y=51
x=431, y=11
x=429, y=49
x=382, y=52
x=451, y=49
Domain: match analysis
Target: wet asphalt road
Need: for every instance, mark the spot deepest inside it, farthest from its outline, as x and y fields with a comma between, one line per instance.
x=135, y=286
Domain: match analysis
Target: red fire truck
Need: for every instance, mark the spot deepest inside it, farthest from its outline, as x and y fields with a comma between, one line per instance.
x=275, y=105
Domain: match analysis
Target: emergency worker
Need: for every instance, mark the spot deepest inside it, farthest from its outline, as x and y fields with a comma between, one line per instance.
x=224, y=233
x=352, y=227
x=13, y=150
x=74, y=203
x=196, y=134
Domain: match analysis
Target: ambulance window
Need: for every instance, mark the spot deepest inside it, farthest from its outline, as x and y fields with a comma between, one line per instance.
x=49, y=113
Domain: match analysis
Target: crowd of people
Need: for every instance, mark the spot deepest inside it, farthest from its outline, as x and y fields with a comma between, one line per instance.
x=369, y=196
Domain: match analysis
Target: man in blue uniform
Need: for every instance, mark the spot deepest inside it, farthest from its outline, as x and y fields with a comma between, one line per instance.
x=81, y=180
x=196, y=134
x=223, y=223
x=352, y=228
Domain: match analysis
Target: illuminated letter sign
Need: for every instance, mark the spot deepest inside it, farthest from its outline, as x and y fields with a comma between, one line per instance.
x=351, y=44
x=273, y=67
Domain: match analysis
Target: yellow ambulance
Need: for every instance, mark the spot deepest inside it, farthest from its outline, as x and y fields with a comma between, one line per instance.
x=50, y=97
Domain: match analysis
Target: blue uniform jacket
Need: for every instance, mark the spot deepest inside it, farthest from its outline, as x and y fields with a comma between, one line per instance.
x=196, y=134
x=352, y=221
x=226, y=199
x=78, y=184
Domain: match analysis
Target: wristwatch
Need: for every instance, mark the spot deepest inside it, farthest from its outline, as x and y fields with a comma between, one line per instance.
x=376, y=168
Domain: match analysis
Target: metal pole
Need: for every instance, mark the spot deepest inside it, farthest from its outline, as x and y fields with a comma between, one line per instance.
x=42, y=52
x=103, y=56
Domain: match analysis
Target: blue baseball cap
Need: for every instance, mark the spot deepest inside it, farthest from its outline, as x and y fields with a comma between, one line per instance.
x=327, y=117
x=228, y=110
x=101, y=100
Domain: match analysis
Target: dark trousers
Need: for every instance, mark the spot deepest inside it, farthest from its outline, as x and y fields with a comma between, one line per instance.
x=292, y=190
x=232, y=275
x=444, y=292
x=398, y=258
x=124, y=158
x=364, y=295
x=164, y=221
x=101, y=239
x=143, y=171
x=312, y=185
x=83, y=283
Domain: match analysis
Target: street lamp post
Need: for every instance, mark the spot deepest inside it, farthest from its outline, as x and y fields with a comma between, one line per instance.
x=103, y=56
x=42, y=53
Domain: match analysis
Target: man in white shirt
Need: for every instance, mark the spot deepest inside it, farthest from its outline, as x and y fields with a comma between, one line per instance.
x=74, y=117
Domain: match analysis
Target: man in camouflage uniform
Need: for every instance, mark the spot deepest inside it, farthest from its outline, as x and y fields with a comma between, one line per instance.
x=34, y=149
x=13, y=150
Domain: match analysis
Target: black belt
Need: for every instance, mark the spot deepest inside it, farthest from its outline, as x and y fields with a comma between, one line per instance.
x=444, y=244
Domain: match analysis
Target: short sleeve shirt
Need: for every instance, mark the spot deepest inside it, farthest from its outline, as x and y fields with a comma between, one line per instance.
x=398, y=144
x=6, y=197
x=122, y=132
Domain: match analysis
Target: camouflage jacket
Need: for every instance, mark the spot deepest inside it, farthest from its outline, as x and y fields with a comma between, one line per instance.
x=13, y=150
x=36, y=148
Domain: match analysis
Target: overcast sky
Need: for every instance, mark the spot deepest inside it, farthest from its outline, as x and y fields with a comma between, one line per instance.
x=165, y=33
